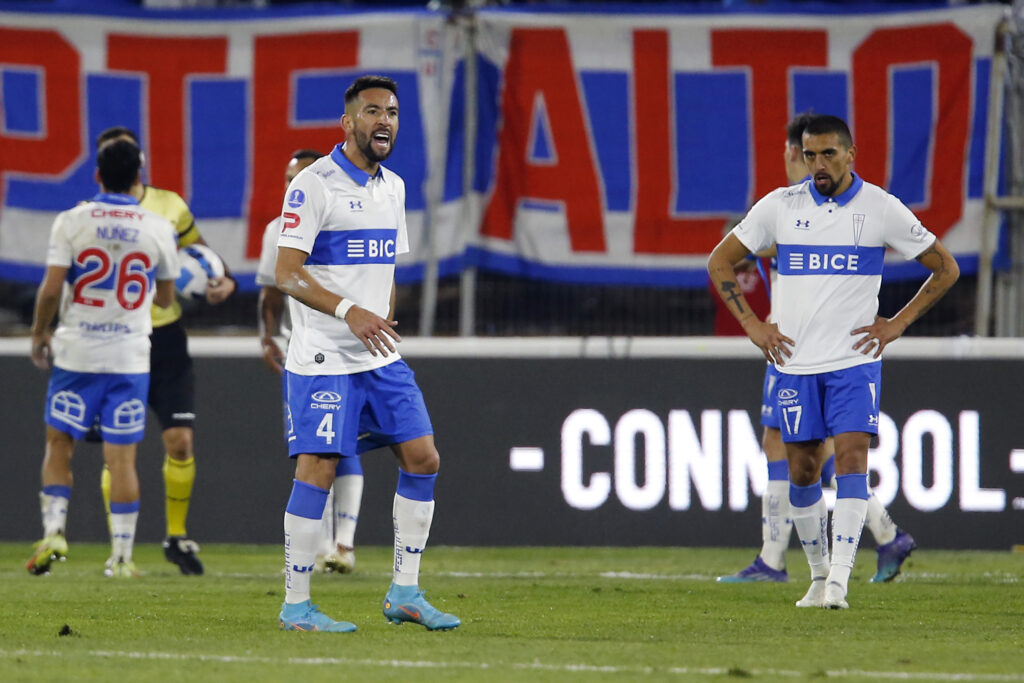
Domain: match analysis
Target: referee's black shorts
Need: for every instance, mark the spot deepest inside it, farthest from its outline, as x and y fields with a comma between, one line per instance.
x=172, y=381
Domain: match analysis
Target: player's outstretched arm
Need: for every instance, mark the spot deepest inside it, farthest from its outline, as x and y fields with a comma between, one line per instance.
x=47, y=303
x=376, y=333
x=721, y=269
x=945, y=272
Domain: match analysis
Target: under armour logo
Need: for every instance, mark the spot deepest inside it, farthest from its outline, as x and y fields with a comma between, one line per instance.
x=803, y=224
x=355, y=206
x=840, y=539
x=414, y=551
x=814, y=542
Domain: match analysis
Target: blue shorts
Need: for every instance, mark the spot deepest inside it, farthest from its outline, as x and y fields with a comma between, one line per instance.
x=814, y=407
x=769, y=411
x=75, y=399
x=345, y=415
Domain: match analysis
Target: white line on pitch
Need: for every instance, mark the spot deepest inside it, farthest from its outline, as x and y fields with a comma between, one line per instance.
x=522, y=666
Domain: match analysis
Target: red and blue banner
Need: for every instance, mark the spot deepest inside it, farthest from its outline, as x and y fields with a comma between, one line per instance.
x=607, y=148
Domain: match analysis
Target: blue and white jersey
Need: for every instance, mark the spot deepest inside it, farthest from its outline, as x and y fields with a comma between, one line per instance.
x=114, y=251
x=266, y=271
x=352, y=226
x=830, y=256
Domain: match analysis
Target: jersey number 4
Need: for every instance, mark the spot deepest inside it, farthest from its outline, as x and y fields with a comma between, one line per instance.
x=326, y=428
x=130, y=285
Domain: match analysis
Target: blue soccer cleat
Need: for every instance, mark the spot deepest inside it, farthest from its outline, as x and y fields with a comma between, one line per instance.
x=757, y=571
x=892, y=555
x=406, y=603
x=305, y=616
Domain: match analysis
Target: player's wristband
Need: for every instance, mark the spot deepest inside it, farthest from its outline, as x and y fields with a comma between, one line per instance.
x=343, y=307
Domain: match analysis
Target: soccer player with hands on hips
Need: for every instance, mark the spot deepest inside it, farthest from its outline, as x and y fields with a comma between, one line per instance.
x=341, y=513
x=825, y=335
x=347, y=388
x=894, y=545
x=108, y=261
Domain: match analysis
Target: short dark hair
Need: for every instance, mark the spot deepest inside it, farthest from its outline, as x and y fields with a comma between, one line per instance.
x=116, y=132
x=823, y=124
x=365, y=83
x=301, y=154
x=119, y=163
x=796, y=125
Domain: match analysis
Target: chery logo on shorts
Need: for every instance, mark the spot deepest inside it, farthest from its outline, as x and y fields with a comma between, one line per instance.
x=787, y=393
x=325, y=400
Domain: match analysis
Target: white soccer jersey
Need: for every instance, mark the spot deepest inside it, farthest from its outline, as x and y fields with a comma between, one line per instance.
x=830, y=257
x=114, y=251
x=352, y=226
x=267, y=268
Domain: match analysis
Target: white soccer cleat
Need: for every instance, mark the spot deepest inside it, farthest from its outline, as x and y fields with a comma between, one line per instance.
x=815, y=596
x=835, y=596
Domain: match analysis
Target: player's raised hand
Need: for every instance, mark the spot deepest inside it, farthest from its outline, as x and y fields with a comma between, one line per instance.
x=219, y=289
x=374, y=331
x=878, y=335
x=41, y=352
x=766, y=336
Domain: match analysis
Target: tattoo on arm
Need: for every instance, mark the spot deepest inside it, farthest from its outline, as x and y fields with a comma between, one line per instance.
x=731, y=292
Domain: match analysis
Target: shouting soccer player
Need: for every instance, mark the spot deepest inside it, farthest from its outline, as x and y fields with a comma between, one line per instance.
x=347, y=388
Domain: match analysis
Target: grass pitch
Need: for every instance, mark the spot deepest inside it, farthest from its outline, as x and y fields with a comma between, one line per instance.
x=529, y=614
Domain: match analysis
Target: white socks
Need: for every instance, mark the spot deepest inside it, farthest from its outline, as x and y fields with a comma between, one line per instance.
x=412, y=526
x=811, y=524
x=776, y=524
x=348, y=496
x=879, y=522
x=847, y=523
x=122, y=535
x=55, y=513
x=301, y=538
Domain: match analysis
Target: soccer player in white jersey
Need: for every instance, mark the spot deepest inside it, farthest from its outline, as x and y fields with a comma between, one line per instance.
x=825, y=336
x=341, y=513
x=894, y=545
x=108, y=261
x=343, y=223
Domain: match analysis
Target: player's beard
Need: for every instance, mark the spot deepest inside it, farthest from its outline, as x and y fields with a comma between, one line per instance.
x=825, y=189
x=365, y=144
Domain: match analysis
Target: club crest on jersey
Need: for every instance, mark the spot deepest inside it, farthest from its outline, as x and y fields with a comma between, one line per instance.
x=858, y=228
x=296, y=198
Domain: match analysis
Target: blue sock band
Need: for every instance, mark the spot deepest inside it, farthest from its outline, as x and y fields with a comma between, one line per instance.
x=852, y=486
x=348, y=465
x=124, y=508
x=416, y=486
x=306, y=500
x=804, y=496
x=828, y=470
x=778, y=470
x=58, y=490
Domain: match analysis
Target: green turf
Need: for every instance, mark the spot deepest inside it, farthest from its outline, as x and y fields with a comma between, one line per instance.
x=529, y=614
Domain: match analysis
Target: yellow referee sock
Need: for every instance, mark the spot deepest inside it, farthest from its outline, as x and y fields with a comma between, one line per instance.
x=179, y=475
x=105, y=488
